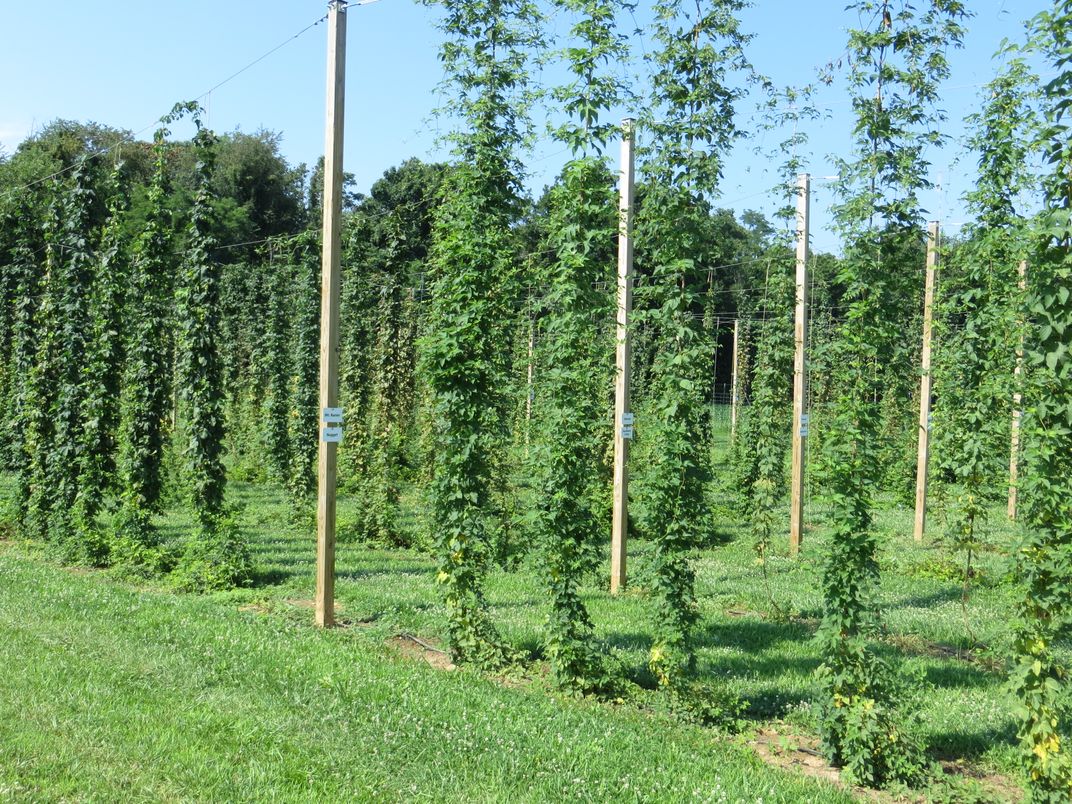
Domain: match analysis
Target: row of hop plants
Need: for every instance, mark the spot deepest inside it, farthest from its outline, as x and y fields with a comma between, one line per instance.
x=107, y=335
x=92, y=370
x=866, y=713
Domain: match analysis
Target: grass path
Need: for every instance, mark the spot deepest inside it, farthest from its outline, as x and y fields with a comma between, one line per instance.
x=112, y=693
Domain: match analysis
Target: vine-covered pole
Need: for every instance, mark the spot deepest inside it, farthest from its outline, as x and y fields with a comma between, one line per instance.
x=923, y=453
x=623, y=424
x=734, y=380
x=800, y=338
x=330, y=413
x=1017, y=412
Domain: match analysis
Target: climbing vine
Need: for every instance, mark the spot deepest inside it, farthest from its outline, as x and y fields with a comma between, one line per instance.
x=699, y=52
x=896, y=64
x=569, y=400
x=145, y=404
x=102, y=370
x=215, y=556
x=485, y=55
x=980, y=317
x=277, y=363
x=27, y=280
x=305, y=407
x=1039, y=674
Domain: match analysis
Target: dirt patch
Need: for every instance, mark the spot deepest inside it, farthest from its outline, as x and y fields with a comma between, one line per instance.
x=428, y=650
x=784, y=748
x=255, y=608
x=1002, y=788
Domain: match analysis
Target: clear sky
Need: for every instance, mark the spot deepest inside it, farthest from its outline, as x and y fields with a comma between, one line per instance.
x=125, y=62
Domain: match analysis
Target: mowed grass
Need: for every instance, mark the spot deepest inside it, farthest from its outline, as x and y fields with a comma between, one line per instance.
x=767, y=661
x=109, y=691
x=112, y=693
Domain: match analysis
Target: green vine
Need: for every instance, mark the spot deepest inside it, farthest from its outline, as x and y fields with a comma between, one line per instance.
x=485, y=55
x=571, y=388
x=897, y=61
x=216, y=556
x=103, y=370
x=305, y=406
x=974, y=408
x=1039, y=673
x=278, y=365
x=699, y=51
x=145, y=406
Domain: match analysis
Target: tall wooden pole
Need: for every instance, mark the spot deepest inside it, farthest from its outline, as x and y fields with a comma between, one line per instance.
x=733, y=382
x=623, y=417
x=330, y=414
x=923, y=455
x=1017, y=400
x=800, y=338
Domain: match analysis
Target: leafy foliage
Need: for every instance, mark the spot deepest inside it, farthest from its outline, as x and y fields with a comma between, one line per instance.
x=902, y=54
x=102, y=371
x=147, y=382
x=471, y=265
x=698, y=52
x=978, y=326
x=1039, y=674
x=216, y=556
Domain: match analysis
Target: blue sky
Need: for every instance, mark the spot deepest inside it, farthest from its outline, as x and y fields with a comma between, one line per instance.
x=124, y=63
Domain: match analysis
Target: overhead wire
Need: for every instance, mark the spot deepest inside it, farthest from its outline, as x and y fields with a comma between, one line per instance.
x=118, y=145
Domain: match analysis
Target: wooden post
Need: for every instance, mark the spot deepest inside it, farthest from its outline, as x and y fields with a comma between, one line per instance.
x=1017, y=399
x=623, y=426
x=530, y=391
x=923, y=454
x=800, y=338
x=733, y=383
x=330, y=415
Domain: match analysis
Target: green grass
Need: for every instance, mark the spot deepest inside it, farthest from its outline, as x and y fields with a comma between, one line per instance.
x=112, y=693
x=109, y=691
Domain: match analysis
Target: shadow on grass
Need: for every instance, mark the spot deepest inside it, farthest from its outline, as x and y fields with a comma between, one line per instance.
x=960, y=676
x=926, y=601
x=970, y=743
x=414, y=570
x=270, y=576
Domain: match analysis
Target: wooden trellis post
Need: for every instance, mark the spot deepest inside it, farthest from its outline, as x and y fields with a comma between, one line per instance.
x=623, y=417
x=1017, y=400
x=923, y=455
x=330, y=414
x=733, y=382
x=800, y=338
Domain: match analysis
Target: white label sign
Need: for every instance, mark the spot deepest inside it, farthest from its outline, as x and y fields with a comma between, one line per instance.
x=628, y=419
x=331, y=435
x=627, y=432
x=331, y=415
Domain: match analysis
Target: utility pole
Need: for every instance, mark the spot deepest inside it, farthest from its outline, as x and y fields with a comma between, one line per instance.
x=923, y=456
x=800, y=339
x=1017, y=413
x=330, y=412
x=623, y=417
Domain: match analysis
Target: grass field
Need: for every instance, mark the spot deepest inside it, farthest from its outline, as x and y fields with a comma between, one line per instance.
x=110, y=690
